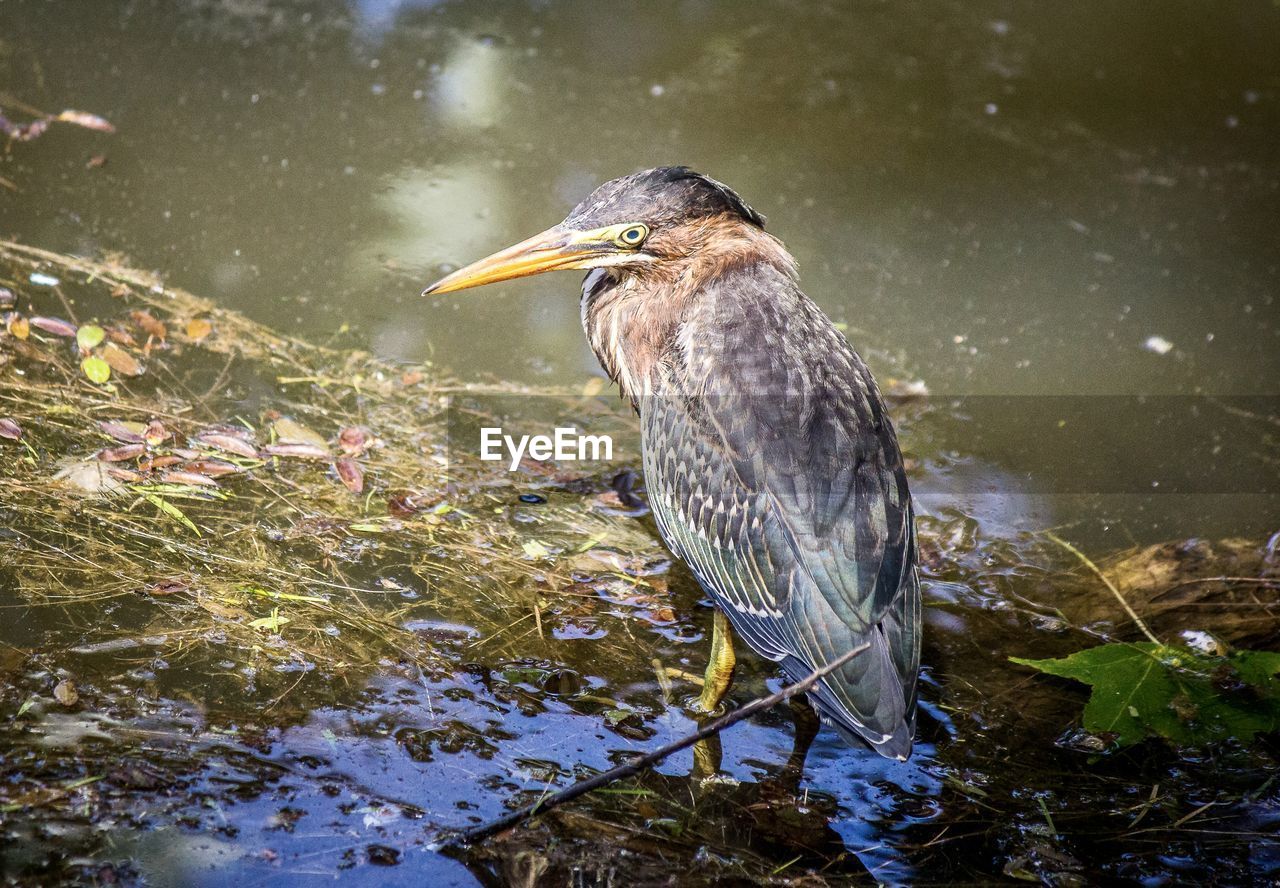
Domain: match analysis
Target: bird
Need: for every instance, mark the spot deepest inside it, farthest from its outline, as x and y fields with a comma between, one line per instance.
x=771, y=464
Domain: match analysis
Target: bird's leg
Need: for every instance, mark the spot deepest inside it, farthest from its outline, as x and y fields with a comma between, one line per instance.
x=720, y=667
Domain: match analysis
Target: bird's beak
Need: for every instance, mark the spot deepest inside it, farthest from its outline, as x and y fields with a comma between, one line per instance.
x=553, y=249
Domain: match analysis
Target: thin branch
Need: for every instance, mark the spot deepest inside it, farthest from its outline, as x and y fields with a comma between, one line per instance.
x=648, y=760
x=1106, y=582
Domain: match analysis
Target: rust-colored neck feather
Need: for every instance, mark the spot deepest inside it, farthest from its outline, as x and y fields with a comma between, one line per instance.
x=632, y=314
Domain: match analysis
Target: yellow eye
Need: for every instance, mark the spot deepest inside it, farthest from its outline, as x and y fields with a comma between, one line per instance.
x=632, y=236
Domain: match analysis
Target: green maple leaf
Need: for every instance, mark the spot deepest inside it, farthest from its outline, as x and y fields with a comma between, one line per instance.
x=1152, y=690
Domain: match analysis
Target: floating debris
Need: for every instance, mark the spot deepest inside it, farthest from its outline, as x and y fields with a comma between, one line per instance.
x=65, y=692
x=122, y=453
x=288, y=431
x=55, y=326
x=228, y=444
x=198, y=328
x=90, y=336
x=350, y=473
x=1158, y=345
x=98, y=370
x=125, y=432
x=297, y=451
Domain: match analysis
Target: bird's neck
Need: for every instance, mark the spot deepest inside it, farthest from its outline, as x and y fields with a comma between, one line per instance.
x=632, y=317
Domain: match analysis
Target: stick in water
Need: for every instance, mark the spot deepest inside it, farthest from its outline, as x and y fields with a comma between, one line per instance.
x=648, y=760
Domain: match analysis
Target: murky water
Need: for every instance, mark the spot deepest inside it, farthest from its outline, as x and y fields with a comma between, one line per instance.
x=1005, y=201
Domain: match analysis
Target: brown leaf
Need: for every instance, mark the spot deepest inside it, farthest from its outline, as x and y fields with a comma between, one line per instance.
x=297, y=451
x=411, y=377
x=228, y=444
x=350, y=473
x=214, y=468
x=126, y=432
x=159, y=462
x=120, y=360
x=121, y=336
x=167, y=587
x=198, y=328
x=122, y=453
x=56, y=326
x=127, y=475
x=149, y=324
x=354, y=440
x=404, y=503
x=155, y=433
x=10, y=429
x=179, y=477
x=65, y=693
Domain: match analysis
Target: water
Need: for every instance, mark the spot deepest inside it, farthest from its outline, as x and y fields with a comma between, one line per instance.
x=1007, y=202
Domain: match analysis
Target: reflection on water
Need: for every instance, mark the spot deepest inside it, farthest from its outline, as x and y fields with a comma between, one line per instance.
x=996, y=199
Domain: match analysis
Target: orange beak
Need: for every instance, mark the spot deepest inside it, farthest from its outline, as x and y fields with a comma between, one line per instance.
x=553, y=249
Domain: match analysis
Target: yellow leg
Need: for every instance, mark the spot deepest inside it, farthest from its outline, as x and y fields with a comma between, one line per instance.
x=720, y=667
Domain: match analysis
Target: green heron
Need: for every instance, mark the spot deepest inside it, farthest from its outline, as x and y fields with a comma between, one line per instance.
x=771, y=464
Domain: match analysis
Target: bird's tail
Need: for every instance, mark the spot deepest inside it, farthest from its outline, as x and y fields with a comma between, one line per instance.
x=872, y=697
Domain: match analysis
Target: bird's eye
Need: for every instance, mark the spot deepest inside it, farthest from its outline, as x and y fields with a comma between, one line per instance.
x=632, y=236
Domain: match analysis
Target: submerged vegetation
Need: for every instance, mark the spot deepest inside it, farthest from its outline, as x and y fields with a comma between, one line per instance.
x=248, y=580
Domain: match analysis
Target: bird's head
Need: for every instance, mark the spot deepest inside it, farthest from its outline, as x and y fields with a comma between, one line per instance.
x=640, y=222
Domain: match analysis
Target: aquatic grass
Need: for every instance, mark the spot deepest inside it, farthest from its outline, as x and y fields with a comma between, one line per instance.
x=275, y=535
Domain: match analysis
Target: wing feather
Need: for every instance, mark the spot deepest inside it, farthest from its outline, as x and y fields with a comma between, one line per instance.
x=775, y=473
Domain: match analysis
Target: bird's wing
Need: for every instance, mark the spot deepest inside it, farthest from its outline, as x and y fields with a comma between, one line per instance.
x=775, y=473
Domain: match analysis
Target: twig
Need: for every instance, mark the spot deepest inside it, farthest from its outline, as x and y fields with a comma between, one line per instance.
x=640, y=763
x=1084, y=559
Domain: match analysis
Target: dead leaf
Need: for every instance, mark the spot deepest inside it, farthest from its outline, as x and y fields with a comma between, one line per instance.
x=167, y=587
x=55, y=326
x=214, y=468
x=155, y=433
x=149, y=324
x=289, y=431
x=297, y=451
x=89, y=476
x=65, y=693
x=350, y=473
x=120, y=360
x=354, y=440
x=159, y=462
x=125, y=432
x=86, y=120
x=19, y=327
x=180, y=477
x=122, y=453
x=229, y=444
x=10, y=429
x=198, y=328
